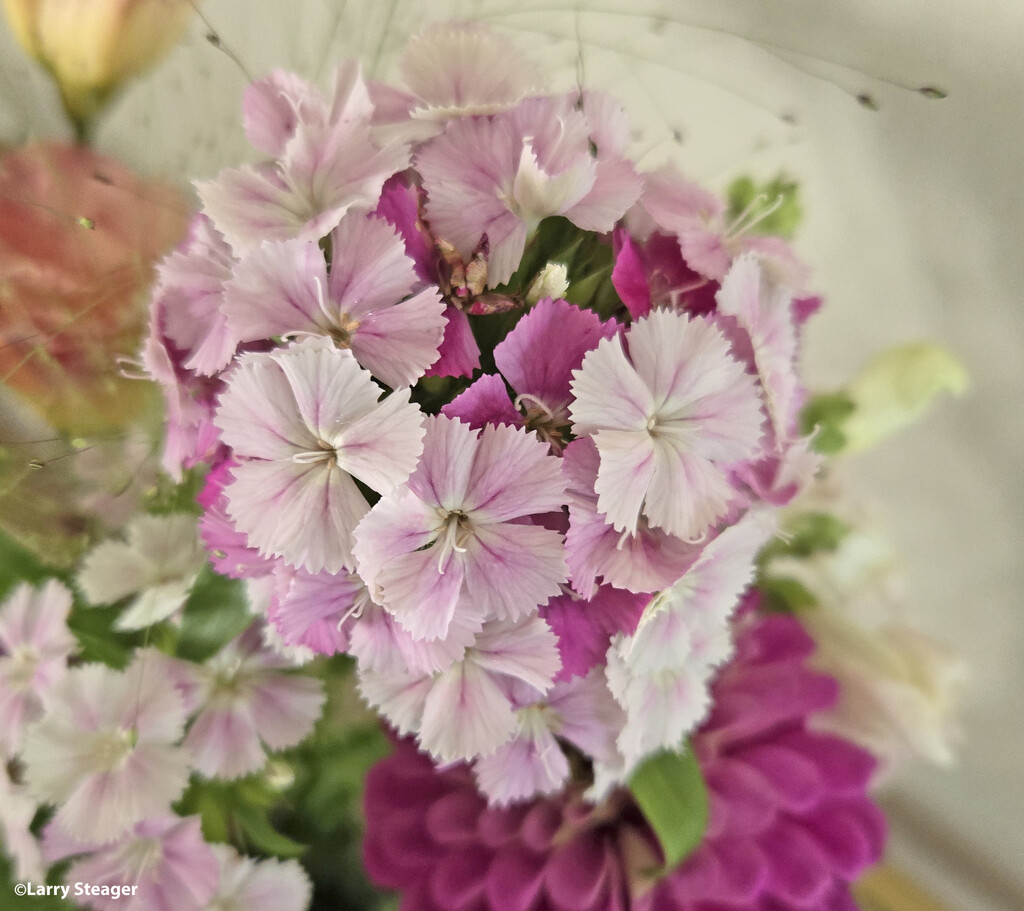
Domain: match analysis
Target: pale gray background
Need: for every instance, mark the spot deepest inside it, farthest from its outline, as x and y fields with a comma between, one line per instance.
x=913, y=228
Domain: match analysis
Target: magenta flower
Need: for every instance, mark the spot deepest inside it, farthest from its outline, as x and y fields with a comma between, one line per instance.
x=364, y=304
x=304, y=422
x=328, y=161
x=399, y=203
x=456, y=530
x=105, y=751
x=500, y=176
x=537, y=359
x=791, y=825
x=35, y=644
x=669, y=410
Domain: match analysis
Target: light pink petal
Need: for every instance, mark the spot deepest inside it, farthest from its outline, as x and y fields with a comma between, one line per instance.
x=328, y=386
x=616, y=187
x=465, y=173
x=628, y=465
x=285, y=707
x=223, y=743
x=422, y=591
x=466, y=715
x=466, y=68
x=763, y=310
x=273, y=885
x=530, y=765
x=257, y=416
x=154, y=709
x=646, y=561
x=105, y=805
x=443, y=475
x=274, y=106
x=398, y=524
x=589, y=717
x=608, y=391
x=660, y=709
x=334, y=169
x=381, y=448
x=273, y=291
x=381, y=644
x=540, y=354
x=608, y=123
x=687, y=492
x=485, y=402
x=314, y=610
x=510, y=569
x=304, y=513
x=399, y=694
x=525, y=649
x=249, y=206
x=369, y=266
x=397, y=344
x=513, y=475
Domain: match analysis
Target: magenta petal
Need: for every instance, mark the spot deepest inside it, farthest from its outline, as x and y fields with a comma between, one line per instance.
x=458, y=880
x=842, y=835
x=629, y=276
x=844, y=767
x=801, y=873
x=540, y=825
x=794, y=777
x=576, y=874
x=539, y=355
x=452, y=819
x=459, y=354
x=584, y=628
x=499, y=825
x=514, y=879
x=743, y=868
x=485, y=402
x=746, y=795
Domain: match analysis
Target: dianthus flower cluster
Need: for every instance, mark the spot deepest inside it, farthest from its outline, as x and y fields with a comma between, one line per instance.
x=487, y=408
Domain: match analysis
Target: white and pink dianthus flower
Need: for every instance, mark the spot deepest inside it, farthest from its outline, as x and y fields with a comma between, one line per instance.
x=460, y=529
x=669, y=410
x=105, y=753
x=305, y=422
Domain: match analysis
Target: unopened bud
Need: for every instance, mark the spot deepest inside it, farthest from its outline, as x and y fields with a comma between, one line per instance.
x=552, y=281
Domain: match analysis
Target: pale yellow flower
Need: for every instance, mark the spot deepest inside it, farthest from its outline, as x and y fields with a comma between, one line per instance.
x=92, y=46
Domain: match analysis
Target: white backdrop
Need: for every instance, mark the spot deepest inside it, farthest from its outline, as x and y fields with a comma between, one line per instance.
x=914, y=221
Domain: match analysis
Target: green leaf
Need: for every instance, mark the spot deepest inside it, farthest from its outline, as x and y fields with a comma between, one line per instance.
x=670, y=791
x=216, y=612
